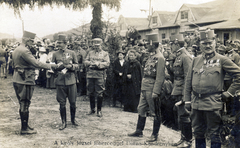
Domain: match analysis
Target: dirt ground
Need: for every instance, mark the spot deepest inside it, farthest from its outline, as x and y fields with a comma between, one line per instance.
x=109, y=131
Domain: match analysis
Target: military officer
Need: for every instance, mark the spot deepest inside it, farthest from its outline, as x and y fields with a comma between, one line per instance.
x=24, y=65
x=180, y=69
x=66, y=79
x=154, y=76
x=204, y=82
x=96, y=61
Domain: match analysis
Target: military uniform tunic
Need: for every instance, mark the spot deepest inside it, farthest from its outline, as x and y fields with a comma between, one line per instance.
x=66, y=78
x=180, y=69
x=205, y=80
x=154, y=76
x=24, y=74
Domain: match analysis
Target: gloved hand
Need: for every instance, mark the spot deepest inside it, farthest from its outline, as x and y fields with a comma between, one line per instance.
x=179, y=103
x=225, y=96
x=188, y=106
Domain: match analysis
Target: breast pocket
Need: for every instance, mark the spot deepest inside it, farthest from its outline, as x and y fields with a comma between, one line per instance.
x=212, y=77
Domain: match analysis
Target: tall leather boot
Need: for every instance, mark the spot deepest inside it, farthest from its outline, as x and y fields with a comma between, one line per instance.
x=25, y=129
x=99, y=106
x=156, y=127
x=187, y=133
x=64, y=118
x=73, y=112
x=215, y=144
x=92, y=104
x=200, y=143
x=140, y=126
x=182, y=136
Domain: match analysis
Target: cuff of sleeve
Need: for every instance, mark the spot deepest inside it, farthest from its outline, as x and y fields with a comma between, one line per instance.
x=230, y=94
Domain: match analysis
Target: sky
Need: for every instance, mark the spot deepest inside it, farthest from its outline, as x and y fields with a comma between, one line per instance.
x=48, y=20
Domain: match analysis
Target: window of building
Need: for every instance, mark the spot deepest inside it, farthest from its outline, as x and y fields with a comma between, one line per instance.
x=154, y=20
x=163, y=36
x=184, y=15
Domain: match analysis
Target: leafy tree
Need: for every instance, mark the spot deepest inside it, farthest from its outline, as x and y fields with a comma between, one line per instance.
x=96, y=23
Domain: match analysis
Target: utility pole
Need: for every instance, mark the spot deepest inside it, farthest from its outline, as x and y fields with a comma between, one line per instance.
x=150, y=7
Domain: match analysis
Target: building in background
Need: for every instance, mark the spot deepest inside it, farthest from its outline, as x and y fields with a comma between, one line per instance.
x=220, y=15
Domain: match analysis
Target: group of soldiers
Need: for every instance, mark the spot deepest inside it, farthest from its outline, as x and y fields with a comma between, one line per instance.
x=203, y=72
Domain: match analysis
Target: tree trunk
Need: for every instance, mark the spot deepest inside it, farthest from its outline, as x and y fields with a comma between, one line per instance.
x=96, y=23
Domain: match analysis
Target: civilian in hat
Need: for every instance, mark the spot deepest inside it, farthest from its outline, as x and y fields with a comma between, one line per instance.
x=118, y=69
x=152, y=82
x=203, y=90
x=42, y=72
x=66, y=79
x=96, y=62
x=50, y=73
x=132, y=80
x=23, y=78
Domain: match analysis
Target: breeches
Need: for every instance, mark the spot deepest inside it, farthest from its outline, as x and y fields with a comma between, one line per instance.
x=95, y=85
x=206, y=122
x=146, y=104
x=68, y=91
x=24, y=94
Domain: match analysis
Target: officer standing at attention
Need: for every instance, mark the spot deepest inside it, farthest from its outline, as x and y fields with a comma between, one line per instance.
x=180, y=70
x=96, y=62
x=205, y=80
x=154, y=76
x=66, y=79
x=23, y=78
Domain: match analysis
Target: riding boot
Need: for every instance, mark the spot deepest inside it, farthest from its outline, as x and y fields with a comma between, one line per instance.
x=64, y=118
x=187, y=133
x=140, y=126
x=73, y=112
x=200, y=143
x=156, y=127
x=25, y=129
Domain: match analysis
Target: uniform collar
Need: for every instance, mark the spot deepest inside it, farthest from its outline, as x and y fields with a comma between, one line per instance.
x=209, y=56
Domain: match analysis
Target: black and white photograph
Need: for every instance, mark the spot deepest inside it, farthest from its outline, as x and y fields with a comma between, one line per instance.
x=120, y=73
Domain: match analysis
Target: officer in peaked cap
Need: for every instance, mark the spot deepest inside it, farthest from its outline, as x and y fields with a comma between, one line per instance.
x=154, y=76
x=96, y=61
x=180, y=69
x=66, y=79
x=203, y=90
x=24, y=65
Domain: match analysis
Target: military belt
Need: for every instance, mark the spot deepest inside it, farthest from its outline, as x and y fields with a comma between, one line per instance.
x=178, y=78
x=205, y=95
x=148, y=76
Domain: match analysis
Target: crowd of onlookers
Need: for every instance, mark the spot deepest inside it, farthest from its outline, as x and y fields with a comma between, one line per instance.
x=127, y=68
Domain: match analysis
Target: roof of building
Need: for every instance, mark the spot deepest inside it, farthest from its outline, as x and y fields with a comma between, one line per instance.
x=136, y=22
x=230, y=24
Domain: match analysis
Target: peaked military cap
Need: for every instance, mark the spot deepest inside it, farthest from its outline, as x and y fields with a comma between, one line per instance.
x=206, y=36
x=61, y=38
x=152, y=38
x=97, y=41
x=29, y=35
